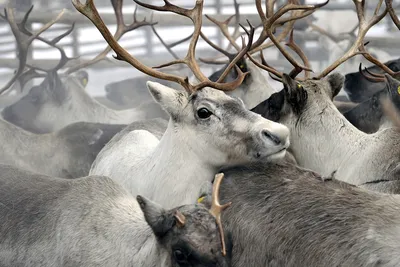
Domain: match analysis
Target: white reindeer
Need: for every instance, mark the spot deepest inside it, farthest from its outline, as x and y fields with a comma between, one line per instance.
x=207, y=130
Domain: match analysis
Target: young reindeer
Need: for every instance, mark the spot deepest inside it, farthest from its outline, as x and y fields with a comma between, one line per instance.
x=61, y=99
x=323, y=140
x=207, y=129
x=93, y=221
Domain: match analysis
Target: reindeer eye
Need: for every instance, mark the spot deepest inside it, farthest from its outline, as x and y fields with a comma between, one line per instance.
x=179, y=256
x=204, y=113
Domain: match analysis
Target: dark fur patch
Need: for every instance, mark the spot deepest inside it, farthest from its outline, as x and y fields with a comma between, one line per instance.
x=271, y=108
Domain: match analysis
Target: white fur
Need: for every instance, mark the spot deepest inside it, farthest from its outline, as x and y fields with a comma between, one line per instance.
x=173, y=170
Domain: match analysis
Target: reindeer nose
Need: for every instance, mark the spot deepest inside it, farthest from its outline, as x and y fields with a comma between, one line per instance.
x=275, y=139
x=278, y=135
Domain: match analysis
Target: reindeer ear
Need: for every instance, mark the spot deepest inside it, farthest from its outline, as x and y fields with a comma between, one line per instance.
x=336, y=81
x=157, y=217
x=171, y=100
x=295, y=94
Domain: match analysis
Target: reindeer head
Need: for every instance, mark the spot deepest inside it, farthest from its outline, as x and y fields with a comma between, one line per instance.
x=219, y=127
x=306, y=100
x=191, y=234
x=50, y=99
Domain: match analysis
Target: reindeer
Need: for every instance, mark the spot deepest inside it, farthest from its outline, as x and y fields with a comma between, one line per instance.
x=283, y=215
x=60, y=101
x=306, y=108
x=207, y=129
x=360, y=89
x=368, y=116
x=93, y=221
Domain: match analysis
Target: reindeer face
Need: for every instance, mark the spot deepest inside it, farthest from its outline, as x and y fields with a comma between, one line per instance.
x=46, y=103
x=195, y=243
x=360, y=89
x=219, y=128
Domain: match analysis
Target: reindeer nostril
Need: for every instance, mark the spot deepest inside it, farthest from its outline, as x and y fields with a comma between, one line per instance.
x=272, y=137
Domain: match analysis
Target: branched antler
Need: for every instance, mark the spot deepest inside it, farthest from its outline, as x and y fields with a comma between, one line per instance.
x=122, y=29
x=217, y=208
x=392, y=13
x=358, y=47
x=297, y=49
x=195, y=15
x=23, y=42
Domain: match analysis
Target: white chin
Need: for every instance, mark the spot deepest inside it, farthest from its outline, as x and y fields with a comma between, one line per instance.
x=277, y=156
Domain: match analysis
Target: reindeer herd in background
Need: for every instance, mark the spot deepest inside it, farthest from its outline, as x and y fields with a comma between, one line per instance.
x=306, y=177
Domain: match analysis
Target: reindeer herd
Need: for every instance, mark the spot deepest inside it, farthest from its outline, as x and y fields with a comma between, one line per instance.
x=306, y=177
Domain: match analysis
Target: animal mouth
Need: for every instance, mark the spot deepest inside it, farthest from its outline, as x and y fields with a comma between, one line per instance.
x=276, y=153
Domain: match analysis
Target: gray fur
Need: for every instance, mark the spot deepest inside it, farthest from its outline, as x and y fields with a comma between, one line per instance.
x=67, y=153
x=93, y=221
x=58, y=102
x=283, y=215
x=324, y=141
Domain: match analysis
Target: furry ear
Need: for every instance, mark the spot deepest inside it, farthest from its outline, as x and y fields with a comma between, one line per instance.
x=157, y=217
x=171, y=100
x=336, y=81
x=295, y=94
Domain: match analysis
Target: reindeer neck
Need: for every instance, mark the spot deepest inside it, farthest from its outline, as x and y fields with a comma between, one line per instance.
x=97, y=112
x=178, y=169
x=324, y=141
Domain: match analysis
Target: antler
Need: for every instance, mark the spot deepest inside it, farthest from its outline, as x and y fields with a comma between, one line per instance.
x=358, y=47
x=195, y=14
x=23, y=43
x=373, y=77
x=270, y=21
x=296, y=70
x=217, y=208
x=297, y=49
x=392, y=13
x=122, y=29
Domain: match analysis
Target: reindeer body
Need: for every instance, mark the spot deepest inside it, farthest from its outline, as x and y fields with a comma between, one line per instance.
x=174, y=169
x=91, y=221
x=287, y=216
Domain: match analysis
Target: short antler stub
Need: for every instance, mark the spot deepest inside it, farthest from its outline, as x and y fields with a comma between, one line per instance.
x=217, y=208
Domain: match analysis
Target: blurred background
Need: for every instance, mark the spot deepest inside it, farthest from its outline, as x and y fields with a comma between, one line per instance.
x=338, y=18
